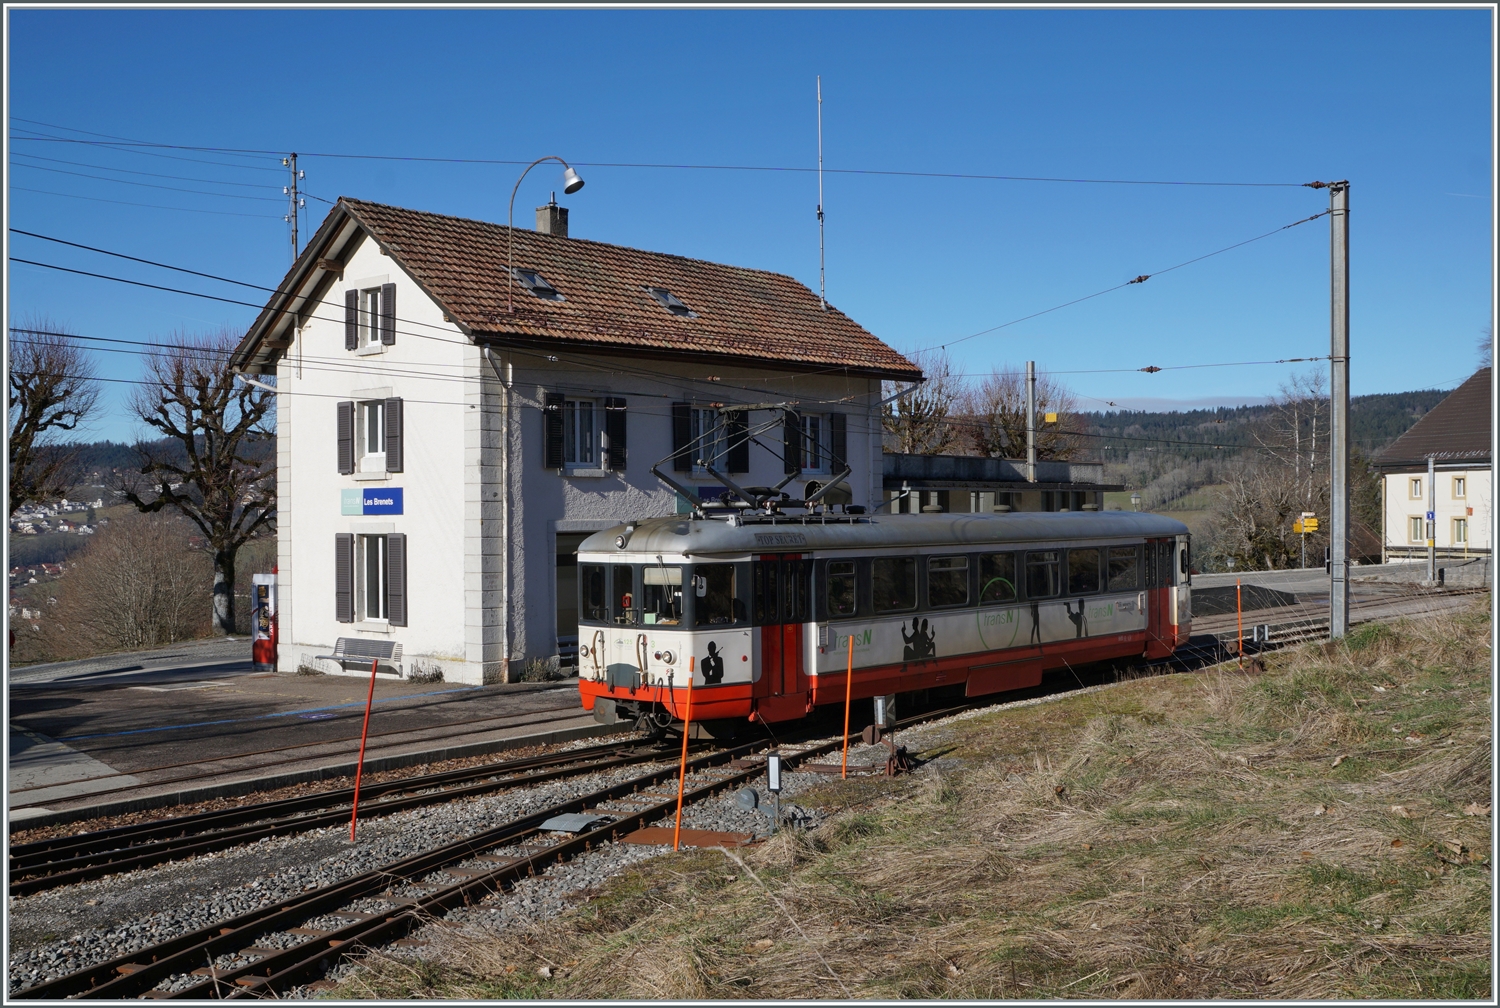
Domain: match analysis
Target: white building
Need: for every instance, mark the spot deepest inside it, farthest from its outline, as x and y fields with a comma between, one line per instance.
x=1455, y=435
x=448, y=431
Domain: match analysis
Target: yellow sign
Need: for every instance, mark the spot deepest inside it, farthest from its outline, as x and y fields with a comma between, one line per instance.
x=1050, y=417
x=1305, y=525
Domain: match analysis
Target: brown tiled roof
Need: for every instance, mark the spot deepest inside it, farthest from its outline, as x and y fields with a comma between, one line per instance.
x=1456, y=429
x=741, y=313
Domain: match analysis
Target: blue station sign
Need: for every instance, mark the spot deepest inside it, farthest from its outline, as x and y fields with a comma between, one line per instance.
x=371, y=501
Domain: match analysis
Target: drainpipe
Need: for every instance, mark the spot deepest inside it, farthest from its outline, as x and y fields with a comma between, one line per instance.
x=506, y=379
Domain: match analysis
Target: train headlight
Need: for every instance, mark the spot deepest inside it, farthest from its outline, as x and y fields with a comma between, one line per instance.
x=583, y=651
x=667, y=657
x=619, y=542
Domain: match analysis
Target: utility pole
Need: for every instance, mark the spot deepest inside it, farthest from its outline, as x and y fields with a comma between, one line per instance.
x=1431, y=520
x=294, y=202
x=1338, y=598
x=1031, y=421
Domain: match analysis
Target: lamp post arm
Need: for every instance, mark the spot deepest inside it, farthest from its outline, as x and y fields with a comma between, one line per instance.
x=510, y=220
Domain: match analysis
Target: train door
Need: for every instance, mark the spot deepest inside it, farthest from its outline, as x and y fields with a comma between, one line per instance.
x=782, y=604
x=1161, y=640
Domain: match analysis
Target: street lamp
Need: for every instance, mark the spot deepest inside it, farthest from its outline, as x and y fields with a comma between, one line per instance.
x=571, y=184
x=1135, y=501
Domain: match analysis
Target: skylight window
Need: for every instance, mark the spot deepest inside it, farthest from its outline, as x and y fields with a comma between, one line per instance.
x=538, y=285
x=669, y=301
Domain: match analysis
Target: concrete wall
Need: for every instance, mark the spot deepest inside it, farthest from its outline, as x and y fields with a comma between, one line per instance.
x=1401, y=507
x=454, y=497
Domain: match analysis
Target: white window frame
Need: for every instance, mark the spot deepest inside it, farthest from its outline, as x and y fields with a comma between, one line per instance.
x=369, y=316
x=1460, y=531
x=706, y=419
x=369, y=420
x=815, y=443
x=1460, y=487
x=371, y=567
x=1416, y=528
x=582, y=423
x=1414, y=485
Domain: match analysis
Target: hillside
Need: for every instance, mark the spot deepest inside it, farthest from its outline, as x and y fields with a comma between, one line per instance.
x=1374, y=422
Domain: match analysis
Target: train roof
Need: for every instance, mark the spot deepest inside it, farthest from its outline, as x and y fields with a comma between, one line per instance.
x=710, y=536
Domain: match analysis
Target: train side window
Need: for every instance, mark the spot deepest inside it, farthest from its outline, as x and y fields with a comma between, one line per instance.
x=661, y=592
x=1083, y=571
x=623, y=607
x=947, y=581
x=997, y=578
x=895, y=584
x=1124, y=568
x=1043, y=574
x=714, y=603
x=593, y=596
x=840, y=582
x=765, y=578
x=795, y=598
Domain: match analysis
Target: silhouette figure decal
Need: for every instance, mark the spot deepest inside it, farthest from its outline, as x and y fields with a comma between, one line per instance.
x=713, y=666
x=921, y=642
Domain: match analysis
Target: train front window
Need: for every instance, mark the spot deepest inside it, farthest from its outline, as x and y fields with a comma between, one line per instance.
x=947, y=581
x=623, y=604
x=714, y=602
x=895, y=584
x=593, y=596
x=839, y=588
x=1124, y=568
x=1083, y=571
x=661, y=595
x=997, y=578
x=1043, y=570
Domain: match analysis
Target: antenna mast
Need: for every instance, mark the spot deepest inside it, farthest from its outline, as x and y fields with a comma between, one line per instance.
x=822, y=286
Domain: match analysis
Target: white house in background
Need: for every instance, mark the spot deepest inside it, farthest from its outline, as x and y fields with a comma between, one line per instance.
x=449, y=430
x=1455, y=434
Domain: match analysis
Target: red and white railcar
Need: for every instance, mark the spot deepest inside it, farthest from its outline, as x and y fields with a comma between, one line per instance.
x=763, y=608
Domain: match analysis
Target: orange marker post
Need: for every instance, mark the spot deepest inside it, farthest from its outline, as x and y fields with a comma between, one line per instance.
x=682, y=773
x=1239, y=620
x=848, y=696
x=363, y=735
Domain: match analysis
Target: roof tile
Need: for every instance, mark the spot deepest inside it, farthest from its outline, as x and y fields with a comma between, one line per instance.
x=740, y=312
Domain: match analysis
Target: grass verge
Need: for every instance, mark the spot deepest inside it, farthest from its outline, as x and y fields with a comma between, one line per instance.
x=1318, y=831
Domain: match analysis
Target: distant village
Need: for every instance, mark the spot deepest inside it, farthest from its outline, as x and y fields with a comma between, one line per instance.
x=38, y=519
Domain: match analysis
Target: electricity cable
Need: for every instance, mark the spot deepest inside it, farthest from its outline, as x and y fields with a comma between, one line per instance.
x=146, y=185
x=130, y=171
x=1108, y=290
x=148, y=206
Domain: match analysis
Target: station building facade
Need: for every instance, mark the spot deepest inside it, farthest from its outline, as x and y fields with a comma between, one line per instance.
x=450, y=427
x=1455, y=435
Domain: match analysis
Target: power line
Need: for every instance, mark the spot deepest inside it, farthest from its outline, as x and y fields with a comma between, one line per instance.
x=175, y=157
x=150, y=206
x=1138, y=280
x=131, y=171
x=125, y=143
x=147, y=185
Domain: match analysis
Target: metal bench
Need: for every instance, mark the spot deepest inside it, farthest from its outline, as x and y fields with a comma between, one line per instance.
x=363, y=650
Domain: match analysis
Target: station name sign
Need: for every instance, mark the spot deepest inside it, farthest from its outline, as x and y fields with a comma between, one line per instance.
x=373, y=501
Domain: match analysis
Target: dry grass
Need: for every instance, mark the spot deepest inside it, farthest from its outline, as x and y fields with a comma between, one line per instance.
x=1297, y=834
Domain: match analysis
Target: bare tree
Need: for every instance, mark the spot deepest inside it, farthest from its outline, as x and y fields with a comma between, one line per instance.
x=1296, y=434
x=52, y=391
x=922, y=421
x=135, y=586
x=1486, y=347
x=996, y=417
x=227, y=483
x=1252, y=522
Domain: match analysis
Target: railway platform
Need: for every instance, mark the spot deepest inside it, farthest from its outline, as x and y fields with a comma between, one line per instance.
x=133, y=732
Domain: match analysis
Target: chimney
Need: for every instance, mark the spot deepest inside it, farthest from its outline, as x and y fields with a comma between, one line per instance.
x=552, y=219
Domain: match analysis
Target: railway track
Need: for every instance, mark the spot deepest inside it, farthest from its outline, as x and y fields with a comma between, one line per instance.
x=46, y=864
x=278, y=755
x=456, y=874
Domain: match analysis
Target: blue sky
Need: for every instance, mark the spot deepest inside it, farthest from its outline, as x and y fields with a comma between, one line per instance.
x=1396, y=101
